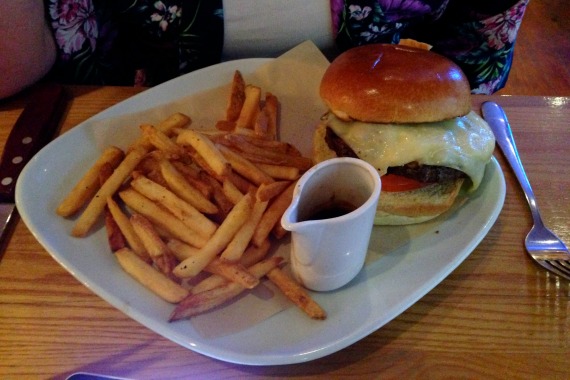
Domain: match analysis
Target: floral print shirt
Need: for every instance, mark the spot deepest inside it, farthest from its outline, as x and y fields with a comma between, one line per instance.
x=134, y=42
x=145, y=42
x=478, y=35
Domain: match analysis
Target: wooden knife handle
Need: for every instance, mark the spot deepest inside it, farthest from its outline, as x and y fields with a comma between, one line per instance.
x=34, y=128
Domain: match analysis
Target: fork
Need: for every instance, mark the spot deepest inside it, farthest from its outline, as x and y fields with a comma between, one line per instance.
x=541, y=244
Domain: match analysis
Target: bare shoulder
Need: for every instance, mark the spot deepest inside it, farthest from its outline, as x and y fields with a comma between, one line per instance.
x=27, y=49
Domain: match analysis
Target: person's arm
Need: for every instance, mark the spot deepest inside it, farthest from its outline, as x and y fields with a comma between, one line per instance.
x=27, y=47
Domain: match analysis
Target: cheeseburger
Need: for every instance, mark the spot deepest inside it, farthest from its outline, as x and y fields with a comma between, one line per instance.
x=406, y=111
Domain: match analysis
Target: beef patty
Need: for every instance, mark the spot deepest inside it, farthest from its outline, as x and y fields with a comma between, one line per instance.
x=422, y=173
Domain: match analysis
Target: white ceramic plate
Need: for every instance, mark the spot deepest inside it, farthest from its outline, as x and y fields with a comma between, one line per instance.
x=383, y=290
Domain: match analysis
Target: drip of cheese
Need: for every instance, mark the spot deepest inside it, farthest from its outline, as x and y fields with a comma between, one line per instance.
x=464, y=143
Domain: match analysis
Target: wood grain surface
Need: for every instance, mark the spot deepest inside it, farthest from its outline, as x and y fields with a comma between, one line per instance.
x=498, y=315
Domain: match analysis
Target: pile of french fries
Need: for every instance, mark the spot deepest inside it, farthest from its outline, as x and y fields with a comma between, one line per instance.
x=191, y=214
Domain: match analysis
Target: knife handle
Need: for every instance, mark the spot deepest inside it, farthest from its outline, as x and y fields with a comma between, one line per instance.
x=34, y=128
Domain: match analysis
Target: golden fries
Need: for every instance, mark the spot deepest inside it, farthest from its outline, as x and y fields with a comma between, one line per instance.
x=232, y=271
x=124, y=224
x=223, y=235
x=89, y=183
x=161, y=217
x=191, y=214
x=265, y=156
x=250, y=108
x=181, y=187
x=244, y=167
x=183, y=210
x=279, y=172
x=89, y=216
x=206, y=149
x=251, y=256
x=270, y=110
x=237, y=98
x=231, y=191
x=154, y=245
x=237, y=246
x=161, y=141
x=266, y=192
x=198, y=303
x=296, y=294
x=152, y=279
x=273, y=214
x=115, y=237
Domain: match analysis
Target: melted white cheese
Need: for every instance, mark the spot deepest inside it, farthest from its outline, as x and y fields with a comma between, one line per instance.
x=464, y=143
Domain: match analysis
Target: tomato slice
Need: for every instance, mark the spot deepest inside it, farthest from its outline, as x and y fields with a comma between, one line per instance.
x=394, y=182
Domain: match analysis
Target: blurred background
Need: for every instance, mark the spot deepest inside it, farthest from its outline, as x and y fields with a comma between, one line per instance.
x=541, y=63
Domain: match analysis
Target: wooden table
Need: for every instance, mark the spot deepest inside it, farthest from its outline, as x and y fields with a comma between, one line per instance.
x=498, y=315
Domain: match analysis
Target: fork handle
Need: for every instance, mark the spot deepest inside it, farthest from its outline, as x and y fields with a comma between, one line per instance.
x=497, y=119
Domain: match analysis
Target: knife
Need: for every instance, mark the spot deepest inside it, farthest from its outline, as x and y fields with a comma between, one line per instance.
x=34, y=128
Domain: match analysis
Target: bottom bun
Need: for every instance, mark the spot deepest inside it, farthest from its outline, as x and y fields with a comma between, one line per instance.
x=403, y=207
x=416, y=206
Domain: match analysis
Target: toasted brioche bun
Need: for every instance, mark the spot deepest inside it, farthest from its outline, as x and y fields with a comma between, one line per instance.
x=404, y=207
x=383, y=83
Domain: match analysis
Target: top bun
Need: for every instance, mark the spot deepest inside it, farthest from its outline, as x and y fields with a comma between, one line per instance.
x=383, y=83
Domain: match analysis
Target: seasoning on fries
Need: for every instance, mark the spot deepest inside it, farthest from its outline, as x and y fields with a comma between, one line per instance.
x=191, y=214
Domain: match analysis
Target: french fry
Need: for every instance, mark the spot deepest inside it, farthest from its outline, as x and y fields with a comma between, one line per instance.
x=250, y=109
x=231, y=191
x=296, y=294
x=233, y=272
x=273, y=214
x=198, y=303
x=186, y=169
x=182, y=188
x=161, y=217
x=225, y=125
x=271, y=145
x=237, y=97
x=266, y=192
x=260, y=127
x=244, y=167
x=166, y=126
x=266, y=156
x=301, y=163
x=149, y=277
x=98, y=202
x=224, y=204
x=251, y=256
x=183, y=210
x=271, y=109
x=278, y=231
x=241, y=183
x=88, y=185
x=251, y=133
x=156, y=248
x=115, y=237
x=161, y=141
x=223, y=235
x=176, y=120
x=205, y=148
x=126, y=228
x=279, y=172
x=241, y=239
x=192, y=174
x=181, y=250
